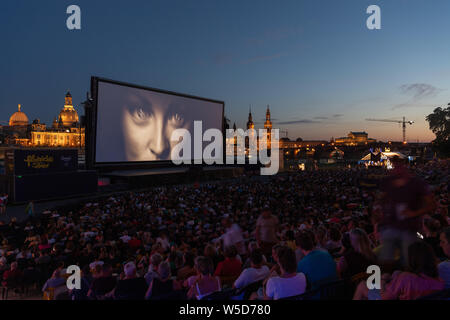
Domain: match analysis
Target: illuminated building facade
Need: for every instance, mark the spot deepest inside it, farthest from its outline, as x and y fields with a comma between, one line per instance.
x=18, y=118
x=250, y=126
x=65, y=131
x=284, y=143
x=268, y=127
x=354, y=139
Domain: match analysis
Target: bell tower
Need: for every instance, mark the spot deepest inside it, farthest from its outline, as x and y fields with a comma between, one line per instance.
x=250, y=124
x=68, y=99
x=268, y=127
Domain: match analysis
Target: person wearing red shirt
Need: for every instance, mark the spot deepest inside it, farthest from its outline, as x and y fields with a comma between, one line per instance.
x=12, y=275
x=229, y=269
x=134, y=243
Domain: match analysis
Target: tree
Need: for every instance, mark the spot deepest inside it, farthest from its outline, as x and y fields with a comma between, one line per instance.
x=439, y=123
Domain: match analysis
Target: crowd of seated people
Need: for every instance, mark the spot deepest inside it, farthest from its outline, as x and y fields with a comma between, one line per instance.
x=283, y=236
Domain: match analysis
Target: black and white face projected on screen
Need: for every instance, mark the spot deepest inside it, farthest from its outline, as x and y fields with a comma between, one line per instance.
x=135, y=124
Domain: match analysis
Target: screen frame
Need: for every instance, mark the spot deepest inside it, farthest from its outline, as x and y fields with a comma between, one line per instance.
x=92, y=145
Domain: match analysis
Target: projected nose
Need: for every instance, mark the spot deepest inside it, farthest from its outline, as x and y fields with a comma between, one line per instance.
x=159, y=141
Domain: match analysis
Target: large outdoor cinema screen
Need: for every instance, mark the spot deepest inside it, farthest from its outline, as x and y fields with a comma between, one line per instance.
x=135, y=124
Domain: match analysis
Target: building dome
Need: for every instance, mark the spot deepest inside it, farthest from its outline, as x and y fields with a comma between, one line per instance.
x=18, y=118
x=68, y=116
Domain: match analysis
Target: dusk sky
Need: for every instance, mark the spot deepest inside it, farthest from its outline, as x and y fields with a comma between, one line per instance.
x=314, y=62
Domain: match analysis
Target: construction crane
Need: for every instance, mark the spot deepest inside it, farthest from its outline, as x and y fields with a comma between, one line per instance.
x=402, y=122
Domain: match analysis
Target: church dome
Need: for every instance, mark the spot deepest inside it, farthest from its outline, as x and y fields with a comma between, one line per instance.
x=18, y=118
x=68, y=116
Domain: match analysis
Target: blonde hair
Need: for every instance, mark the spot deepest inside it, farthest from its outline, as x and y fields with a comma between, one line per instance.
x=361, y=243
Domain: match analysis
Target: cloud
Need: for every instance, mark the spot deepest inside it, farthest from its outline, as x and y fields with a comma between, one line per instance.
x=298, y=121
x=417, y=92
x=334, y=116
x=273, y=119
x=412, y=104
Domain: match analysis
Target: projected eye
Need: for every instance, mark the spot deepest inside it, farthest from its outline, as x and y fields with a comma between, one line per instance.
x=140, y=114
